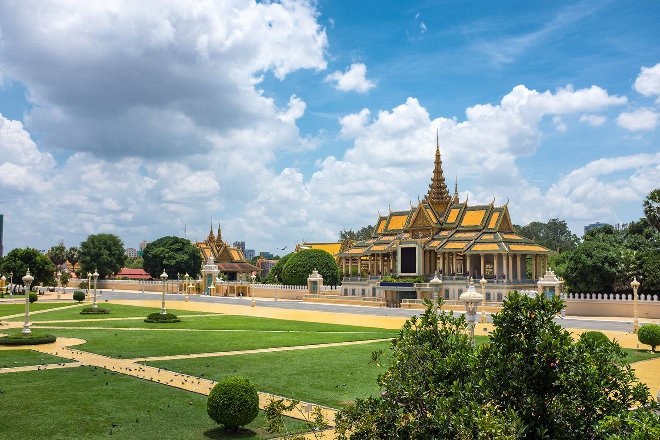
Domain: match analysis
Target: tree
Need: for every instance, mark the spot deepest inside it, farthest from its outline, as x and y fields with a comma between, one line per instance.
x=103, y=253
x=301, y=264
x=553, y=235
x=652, y=208
x=274, y=275
x=364, y=233
x=19, y=260
x=531, y=380
x=73, y=257
x=594, y=265
x=174, y=254
x=57, y=255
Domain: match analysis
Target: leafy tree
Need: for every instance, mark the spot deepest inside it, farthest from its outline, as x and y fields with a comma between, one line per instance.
x=57, y=254
x=65, y=277
x=553, y=235
x=652, y=208
x=530, y=381
x=19, y=260
x=301, y=264
x=103, y=253
x=233, y=402
x=135, y=263
x=174, y=254
x=274, y=275
x=649, y=334
x=594, y=265
x=364, y=233
x=73, y=257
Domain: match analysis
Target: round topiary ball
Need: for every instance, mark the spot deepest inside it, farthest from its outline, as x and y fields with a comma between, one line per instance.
x=79, y=295
x=33, y=297
x=233, y=402
x=594, y=338
x=649, y=334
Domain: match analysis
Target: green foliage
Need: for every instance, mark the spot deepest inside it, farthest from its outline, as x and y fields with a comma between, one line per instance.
x=274, y=275
x=530, y=381
x=593, y=266
x=19, y=260
x=637, y=424
x=649, y=334
x=651, y=206
x=164, y=318
x=594, y=337
x=553, y=235
x=301, y=264
x=364, y=233
x=174, y=254
x=79, y=295
x=33, y=297
x=31, y=339
x=65, y=277
x=57, y=254
x=314, y=420
x=94, y=311
x=72, y=256
x=103, y=253
x=233, y=402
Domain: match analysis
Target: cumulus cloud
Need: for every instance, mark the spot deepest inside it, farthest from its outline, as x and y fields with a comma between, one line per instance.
x=354, y=79
x=648, y=81
x=640, y=119
x=594, y=120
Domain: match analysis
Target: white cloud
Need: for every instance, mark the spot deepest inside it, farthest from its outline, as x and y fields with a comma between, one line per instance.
x=594, y=120
x=640, y=119
x=648, y=81
x=354, y=79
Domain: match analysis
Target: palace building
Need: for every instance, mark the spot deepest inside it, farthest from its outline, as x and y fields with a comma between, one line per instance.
x=445, y=236
x=229, y=260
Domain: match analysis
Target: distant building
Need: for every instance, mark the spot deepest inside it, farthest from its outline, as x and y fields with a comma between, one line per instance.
x=249, y=254
x=265, y=266
x=131, y=252
x=594, y=226
x=240, y=245
x=266, y=255
x=143, y=244
x=132, y=274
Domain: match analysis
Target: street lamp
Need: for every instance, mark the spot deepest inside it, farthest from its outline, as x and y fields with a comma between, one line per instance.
x=27, y=280
x=635, y=285
x=3, y=282
x=253, y=277
x=163, y=278
x=435, y=283
x=96, y=277
x=89, y=283
x=483, y=283
x=471, y=298
x=11, y=284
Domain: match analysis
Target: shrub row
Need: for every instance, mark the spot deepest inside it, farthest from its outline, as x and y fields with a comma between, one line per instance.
x=31, y=339
x=162, y=319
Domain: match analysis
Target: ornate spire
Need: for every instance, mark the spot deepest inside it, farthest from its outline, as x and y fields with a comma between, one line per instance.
x=218, y=239
x=438, y=188
x=211, y=238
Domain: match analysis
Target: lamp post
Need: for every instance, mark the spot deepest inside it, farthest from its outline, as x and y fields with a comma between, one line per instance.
x=27, y=280
x=253, y=277
x=471, y=298
x=186, y=287
x=635, y=285
x=3, y=282
x=483, y=283
x=11, y=284
x=95, y=275
x=435, y=283
x=89, y=283
x=163, y=278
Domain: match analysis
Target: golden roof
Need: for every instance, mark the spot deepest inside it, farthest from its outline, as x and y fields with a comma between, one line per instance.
x=453, y=214
x=527, y=247
x=493, y=219
x=486, y=247
x=473, y=217
x=455, y=245
x=397, y=222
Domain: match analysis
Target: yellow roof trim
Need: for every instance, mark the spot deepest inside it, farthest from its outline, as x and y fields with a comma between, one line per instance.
x=397, y=222
x=453, y=214
x=473, y=218
x=486, y=247
x=454, y=245
x=527, y=247
x=493, y=220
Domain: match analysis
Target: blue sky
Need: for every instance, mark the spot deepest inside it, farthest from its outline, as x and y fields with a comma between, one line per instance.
x=290, y=121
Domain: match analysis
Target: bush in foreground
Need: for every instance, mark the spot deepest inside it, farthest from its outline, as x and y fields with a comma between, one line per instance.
x=649, y=334
x=162, y=319
x=79, y=296
x=94, y=311
x=233, y=402
x=33, y=297
x=31, y=339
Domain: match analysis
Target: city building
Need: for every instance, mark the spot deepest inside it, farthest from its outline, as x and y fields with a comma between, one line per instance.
x=131, y=252
x=594, y=226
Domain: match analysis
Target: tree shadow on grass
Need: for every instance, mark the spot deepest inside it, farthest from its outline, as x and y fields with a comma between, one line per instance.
x=222, y=433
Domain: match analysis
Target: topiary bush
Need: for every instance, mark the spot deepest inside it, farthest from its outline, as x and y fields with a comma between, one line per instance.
x=94, y=311
x=79, y=296
x=649, y=334
x=33, y=297
x=233, y=402
x=31, y=339
x=158, y=318
x=594, y=338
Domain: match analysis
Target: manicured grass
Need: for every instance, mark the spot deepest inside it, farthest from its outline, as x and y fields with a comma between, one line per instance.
x=60, y=313
x=639, y=355
x=147, y=343
x=21, y=358
x=14, y=309
x=332, y=376
x=85, y=403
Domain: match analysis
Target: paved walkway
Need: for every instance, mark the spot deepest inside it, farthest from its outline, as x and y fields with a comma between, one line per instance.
x=647, y=371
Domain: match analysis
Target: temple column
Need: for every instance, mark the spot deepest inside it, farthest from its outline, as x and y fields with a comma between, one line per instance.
x=509, y=275
x=483, y=265
x=496, y=271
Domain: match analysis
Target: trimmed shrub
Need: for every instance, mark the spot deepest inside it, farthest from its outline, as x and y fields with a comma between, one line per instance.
x=594, y=338
x=158, y=318
x=79, y=296
x=649, y=334
x=94, y=311
x=33, y=297
x=31, y=339
x=233, y=402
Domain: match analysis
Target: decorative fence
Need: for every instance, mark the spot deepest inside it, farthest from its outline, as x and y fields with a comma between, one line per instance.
x=609, y=297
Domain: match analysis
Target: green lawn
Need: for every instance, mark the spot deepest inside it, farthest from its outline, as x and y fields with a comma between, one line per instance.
x=13, y=309
x=22, y=357
x=85, y=403
x=64, y=311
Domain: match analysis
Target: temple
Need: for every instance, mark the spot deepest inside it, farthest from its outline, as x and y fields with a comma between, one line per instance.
x=445, y=236
x=229, y=260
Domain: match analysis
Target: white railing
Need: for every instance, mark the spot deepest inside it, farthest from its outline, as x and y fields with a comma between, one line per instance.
x=608, y=297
